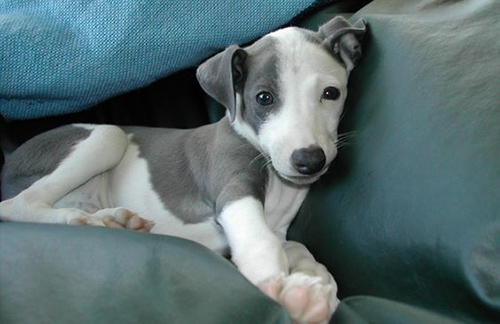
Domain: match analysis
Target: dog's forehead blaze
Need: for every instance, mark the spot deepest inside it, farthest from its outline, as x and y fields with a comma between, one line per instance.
x=302, y=54
x=306, y=68
x=293, y=52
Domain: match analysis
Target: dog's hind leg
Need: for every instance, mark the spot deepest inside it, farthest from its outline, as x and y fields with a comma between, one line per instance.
x=99, y=152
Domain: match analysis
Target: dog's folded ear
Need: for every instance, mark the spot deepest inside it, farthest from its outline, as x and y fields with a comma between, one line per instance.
x=223, y=75
x=343, y=39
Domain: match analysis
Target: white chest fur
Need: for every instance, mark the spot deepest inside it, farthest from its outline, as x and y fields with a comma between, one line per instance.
x=282, y=203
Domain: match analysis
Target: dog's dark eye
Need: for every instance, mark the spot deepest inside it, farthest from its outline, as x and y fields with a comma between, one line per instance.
x=264, y=98
x=330, y=93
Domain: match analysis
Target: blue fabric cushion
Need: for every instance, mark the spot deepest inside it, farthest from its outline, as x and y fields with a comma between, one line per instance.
x=60, y=56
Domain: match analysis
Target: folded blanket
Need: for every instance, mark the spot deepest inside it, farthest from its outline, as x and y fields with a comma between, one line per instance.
x=61, y=56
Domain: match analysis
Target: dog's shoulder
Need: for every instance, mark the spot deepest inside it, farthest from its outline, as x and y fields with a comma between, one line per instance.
x=238, y=169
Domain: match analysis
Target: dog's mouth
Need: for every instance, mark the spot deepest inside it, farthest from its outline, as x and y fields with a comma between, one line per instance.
x=295, y=178
x=301, y=180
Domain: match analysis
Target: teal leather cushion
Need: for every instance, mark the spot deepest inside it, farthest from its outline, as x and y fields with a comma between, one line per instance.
x=374, y=310
x=411, y=208
x=58, y=57
x=65, y=274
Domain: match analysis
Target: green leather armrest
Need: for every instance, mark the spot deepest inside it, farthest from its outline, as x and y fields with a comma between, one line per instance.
x=65, y=274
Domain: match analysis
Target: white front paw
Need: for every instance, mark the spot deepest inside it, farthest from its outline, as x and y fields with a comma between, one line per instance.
x=261, y=261
x=308, y=299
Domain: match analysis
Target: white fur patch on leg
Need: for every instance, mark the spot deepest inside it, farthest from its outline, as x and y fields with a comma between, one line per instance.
x=255, y=250
x=22, y=208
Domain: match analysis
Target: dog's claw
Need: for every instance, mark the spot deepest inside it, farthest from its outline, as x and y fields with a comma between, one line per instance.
x=78, y=222
x=120, y=218
x=111, y=222
x=125, y=219
x=273, y=287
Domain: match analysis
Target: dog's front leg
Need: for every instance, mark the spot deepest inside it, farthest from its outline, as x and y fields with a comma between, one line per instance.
x=255, y=250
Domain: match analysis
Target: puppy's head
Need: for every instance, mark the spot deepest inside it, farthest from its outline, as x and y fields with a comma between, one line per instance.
x=285, y=93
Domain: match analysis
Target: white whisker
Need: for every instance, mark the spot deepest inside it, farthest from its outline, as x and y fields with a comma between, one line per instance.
x=259, y=156
x=344, y=139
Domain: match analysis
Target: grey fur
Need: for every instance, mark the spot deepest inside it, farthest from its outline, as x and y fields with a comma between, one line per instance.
x=47, y=150
x=342, y=37
x=247, y=72
x=222, y=75
x=204, y=169
x=262, y=75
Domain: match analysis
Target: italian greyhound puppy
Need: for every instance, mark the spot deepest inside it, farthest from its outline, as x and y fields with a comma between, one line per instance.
x=234, y=184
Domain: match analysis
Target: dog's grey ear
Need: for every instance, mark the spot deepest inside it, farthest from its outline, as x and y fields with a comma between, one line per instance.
x=343, y=39
x=223, y=75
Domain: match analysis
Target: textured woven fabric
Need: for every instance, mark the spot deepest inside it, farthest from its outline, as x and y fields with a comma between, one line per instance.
x=60, y=56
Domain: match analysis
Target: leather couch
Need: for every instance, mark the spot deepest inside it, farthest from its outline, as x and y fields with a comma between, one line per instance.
x=407, y=219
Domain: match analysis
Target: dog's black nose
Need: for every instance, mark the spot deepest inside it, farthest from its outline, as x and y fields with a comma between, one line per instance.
x=309, y=160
